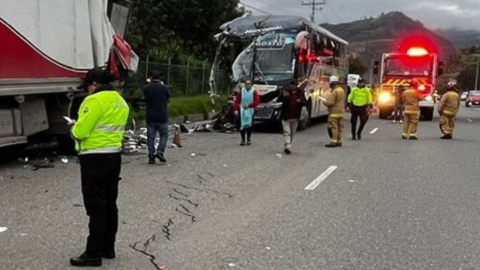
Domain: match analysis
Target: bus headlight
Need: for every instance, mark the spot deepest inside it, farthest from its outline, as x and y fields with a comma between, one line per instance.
x=384, y=97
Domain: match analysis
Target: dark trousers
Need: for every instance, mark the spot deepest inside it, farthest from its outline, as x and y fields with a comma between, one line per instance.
x=100, y=175
x=358, y=112
x=152, y=130
x=248, y=132
x=398, y=112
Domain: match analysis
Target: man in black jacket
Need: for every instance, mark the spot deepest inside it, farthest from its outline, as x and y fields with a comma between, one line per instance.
x=293, y=100
x=157, y=96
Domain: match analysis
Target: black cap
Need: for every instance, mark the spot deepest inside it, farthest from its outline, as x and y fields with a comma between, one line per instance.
x=97, y=75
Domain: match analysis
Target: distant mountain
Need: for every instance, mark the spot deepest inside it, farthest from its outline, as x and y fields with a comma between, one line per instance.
x=461, y=38
x=369, y=38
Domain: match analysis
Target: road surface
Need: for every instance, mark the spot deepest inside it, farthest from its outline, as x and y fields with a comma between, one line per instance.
x=380, y=203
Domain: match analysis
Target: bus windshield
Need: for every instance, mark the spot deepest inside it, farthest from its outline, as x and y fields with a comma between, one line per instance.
x=403, y=66
x=274, y=58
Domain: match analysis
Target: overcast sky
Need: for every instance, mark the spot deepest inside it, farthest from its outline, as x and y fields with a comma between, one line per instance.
x=460, y=14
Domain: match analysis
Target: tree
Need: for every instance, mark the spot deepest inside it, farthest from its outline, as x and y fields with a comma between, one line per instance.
x=156, y=24
x=472, y=50
x=466, y=78
x=356, y=66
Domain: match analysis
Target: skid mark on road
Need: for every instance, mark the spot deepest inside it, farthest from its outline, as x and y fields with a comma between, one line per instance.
x=314, y=184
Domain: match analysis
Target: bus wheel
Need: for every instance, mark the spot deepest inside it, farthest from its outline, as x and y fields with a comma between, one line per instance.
x=305, y=117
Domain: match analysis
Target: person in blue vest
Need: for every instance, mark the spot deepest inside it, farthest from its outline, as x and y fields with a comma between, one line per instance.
x=245, y=103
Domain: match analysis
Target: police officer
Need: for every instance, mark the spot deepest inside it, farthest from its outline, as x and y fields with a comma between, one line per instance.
x=448, y=109
x=336, y=105
x=360, y=103
x=411, y=100
x=98, y=134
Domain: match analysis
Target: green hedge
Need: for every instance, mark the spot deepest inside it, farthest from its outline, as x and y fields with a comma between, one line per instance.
x=181, y=106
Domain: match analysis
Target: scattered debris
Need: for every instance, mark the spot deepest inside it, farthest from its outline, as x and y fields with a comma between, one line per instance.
x=42, y=164
x=268, y=248
x=163, y=267
x=204, y=128
x=279, y=156
x=193, y=154
x=3, y=229
x=23, y=234
x=232, y=265
x=352, y=181
x=65, y=160
x=183, y=128
x=225, y=165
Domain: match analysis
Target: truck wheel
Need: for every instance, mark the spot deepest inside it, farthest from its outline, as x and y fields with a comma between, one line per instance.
x=427, y=114
x=305, y=118
x=384, y=113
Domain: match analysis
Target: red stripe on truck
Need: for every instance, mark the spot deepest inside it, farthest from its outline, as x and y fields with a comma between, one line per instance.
x=20, y=59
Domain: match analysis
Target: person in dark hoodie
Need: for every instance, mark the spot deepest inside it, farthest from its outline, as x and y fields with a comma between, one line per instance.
x=157, y=96
x=293, y=100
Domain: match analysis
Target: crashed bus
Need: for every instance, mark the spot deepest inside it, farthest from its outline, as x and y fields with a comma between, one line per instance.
x=273, y=51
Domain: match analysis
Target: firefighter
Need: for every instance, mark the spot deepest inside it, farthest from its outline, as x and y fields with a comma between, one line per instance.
x=448, y=109
x=336, y=105
x=411, y=101
x=98, y=134
x=360, y=104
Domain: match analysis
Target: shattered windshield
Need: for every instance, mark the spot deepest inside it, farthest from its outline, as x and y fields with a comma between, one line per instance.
x=408, y=67
x=274, y=58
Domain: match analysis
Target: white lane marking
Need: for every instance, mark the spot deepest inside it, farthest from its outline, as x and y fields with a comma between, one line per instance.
x=314, y=184
x=373, y=131
x=470, y=120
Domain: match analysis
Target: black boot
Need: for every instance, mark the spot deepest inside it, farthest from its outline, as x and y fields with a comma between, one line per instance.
x=85, y=260
x=359, y=136
x=151, y=161
x=161, y=158
x=446, y=137
x=108, y=254
x=354, y=137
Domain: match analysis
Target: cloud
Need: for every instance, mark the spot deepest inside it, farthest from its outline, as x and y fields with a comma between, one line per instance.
x=461, y=14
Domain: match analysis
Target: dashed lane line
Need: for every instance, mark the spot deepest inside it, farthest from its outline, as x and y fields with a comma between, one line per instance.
x=373, y=131
x=314, y=184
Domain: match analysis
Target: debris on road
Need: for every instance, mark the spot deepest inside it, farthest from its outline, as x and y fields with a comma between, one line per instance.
x=193, y=154
x=268, y=248
x=23, y=234
x=42, y=164
x=3, y=229
x=279, y=156
x=232, y=265
x=225, y=165
x=65, y=160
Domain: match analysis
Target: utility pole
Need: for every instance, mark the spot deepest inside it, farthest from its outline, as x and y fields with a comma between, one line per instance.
x=314, y=5
x=478, y=68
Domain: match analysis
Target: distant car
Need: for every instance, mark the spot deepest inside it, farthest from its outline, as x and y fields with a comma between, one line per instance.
x=464, y=95
x=473, y=98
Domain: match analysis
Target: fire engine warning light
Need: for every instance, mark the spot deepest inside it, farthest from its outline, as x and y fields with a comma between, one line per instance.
x=417, y=51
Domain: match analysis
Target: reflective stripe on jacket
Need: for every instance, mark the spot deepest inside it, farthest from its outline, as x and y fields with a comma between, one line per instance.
x=101, y=123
